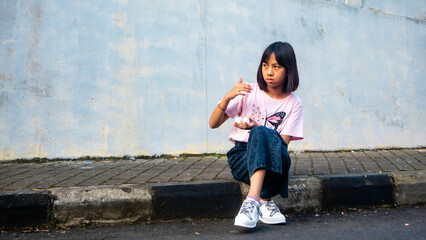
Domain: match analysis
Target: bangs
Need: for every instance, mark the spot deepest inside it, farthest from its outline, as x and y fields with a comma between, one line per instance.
x=267, y=54
x=277, y=51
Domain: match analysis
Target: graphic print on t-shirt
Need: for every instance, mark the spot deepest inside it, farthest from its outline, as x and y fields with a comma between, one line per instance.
x=274, y=120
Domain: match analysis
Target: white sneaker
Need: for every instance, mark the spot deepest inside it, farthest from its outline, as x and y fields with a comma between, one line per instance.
x=248, y=214
x=270, y=214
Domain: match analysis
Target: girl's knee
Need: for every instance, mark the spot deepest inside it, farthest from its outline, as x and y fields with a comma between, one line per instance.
x=262, y=133
x=259, y=130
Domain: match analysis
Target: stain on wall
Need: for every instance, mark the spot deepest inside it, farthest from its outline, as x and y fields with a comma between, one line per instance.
x=114, y=78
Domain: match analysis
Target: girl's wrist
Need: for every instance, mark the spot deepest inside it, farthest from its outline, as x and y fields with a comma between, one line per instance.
x=225, y=101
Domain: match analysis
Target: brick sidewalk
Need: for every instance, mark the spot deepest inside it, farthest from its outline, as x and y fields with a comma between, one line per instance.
x=26, y=176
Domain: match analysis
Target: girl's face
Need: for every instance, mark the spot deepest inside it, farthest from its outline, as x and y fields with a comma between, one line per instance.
x=273, y=73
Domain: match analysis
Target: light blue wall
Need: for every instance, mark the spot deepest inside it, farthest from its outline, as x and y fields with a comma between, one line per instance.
x=113, y=78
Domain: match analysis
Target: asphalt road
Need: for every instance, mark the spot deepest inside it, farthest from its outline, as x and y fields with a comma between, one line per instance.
x=393, y=223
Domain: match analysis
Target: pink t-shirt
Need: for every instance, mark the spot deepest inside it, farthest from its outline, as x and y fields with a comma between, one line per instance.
x=283, y=115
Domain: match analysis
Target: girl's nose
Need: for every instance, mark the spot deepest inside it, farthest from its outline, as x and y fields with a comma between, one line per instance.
x=270, y=71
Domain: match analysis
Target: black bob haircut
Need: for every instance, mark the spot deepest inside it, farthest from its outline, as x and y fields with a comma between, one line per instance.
x=284, y=54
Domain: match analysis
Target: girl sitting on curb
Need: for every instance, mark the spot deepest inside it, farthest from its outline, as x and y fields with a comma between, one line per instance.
x=269, y=116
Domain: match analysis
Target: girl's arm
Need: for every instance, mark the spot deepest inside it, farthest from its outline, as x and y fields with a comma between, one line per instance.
x=286, y=138
x=218, y=116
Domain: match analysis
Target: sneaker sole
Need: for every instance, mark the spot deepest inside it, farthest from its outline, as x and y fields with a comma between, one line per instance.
x=272, y=222
x=245, y=226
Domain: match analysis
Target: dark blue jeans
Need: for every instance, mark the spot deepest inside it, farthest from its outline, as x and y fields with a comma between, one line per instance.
x=265, y=149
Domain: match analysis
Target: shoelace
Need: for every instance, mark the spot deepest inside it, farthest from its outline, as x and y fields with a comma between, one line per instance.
x=270, y=205
x=247, y=208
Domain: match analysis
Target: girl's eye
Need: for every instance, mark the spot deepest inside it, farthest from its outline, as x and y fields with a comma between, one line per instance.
x=264, y=65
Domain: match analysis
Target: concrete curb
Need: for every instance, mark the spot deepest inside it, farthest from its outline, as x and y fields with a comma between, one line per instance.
x=102, y=205
x=410, y=187
x=304, y=195
x=356, y=191
x=23, y=208
x=217, y=199
x=213, y=199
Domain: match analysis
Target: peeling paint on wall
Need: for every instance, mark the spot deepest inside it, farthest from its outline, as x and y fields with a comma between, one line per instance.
x=120, y=20
x=353, y=3
x=7, y=154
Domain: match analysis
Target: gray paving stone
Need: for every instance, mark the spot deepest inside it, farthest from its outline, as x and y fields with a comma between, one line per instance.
x=55, y=179
x=292, y=169
x=210, y=158
x=383, y=163
x=135, y=171
x=203, y=163
x=23, y=176
x=81, y=177
x=6, y=164
x=345, y=154
x=317, y=155
x=6, y=182
x=351, y=163
x=416, y=164
x=192, y=159
x=99, y=179
x=302, y=156
x=368, y=164
x=304, y=160
x=4, y=168
x=60, y=169
x=338, y=169
x=208, y=175
x=303, y=171
x=174, y=171
x=114, y=182
x=151, y=173
x=395, y=160
x=416, y=154
x=321, y=170
x=214, y=170
x=354, y=167
x=188, y=175
x=219, y=164
x=303, y=166
x=225, y=174
x=337, y=165
x=26, y=183
x=331, y=155
x=319, y=164
x=15, y=172
x=422, y=151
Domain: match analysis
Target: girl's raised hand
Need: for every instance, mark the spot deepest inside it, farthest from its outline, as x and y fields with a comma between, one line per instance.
x=239, y=89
